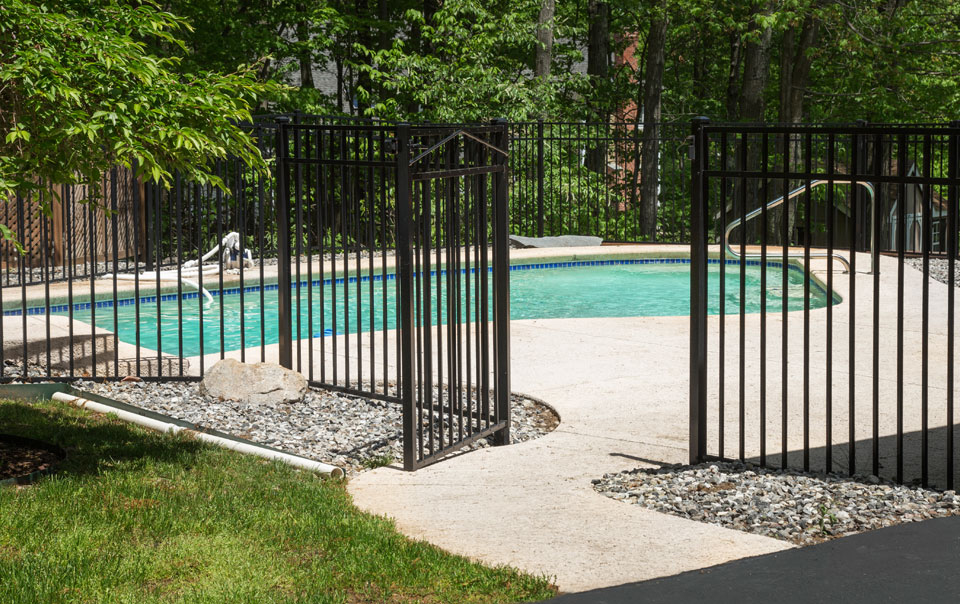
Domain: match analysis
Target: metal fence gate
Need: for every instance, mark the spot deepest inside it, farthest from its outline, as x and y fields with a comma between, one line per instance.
x=454, y=288
x=395, y=273
x=820, y=337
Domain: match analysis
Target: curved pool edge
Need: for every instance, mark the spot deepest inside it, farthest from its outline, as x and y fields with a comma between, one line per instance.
x=519, y=259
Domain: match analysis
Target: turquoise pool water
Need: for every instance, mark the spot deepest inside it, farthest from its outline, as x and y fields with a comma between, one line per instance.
x=607, y=290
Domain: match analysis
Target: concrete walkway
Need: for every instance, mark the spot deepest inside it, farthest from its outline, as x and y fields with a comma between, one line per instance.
x=532, y=505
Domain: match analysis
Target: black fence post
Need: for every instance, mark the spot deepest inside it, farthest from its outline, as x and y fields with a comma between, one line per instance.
x=283, y=246
x=698, y=294
x=953, y=165
x=540, y=175
x=406, y=319
x=501, y=284
x=149, y=193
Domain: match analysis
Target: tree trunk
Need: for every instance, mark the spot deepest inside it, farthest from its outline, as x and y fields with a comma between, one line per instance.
x=653, y=88
x=598, y=47
x=368, y=37
x=787, y=52
x=338, y=63
x=756, y=72
x=699, y=83
x=305, y=56
x=544, y=55
x=430, y=8
x=733, y=77
x=598, y=66
x=383, y=15
x=795, y=64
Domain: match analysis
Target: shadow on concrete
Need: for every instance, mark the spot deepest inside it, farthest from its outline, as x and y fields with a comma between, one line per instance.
x=645, y=460
x=912, y=457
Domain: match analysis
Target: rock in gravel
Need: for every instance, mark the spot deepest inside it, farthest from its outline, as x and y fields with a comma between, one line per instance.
x=254, y=383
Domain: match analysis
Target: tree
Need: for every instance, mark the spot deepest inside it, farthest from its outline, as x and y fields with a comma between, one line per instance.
x=544, y=56
x=796, y=59
x=80, y=93
x=598, y=54
x=652, y=92
x=756, y=65
x=473, y=64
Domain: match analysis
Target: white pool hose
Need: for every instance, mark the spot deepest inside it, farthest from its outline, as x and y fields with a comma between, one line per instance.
x=230, y=243
x=170, y=276
x=242, y=447
x=193, y=268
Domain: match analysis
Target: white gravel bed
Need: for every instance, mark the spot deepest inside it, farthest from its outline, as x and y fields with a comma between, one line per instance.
x=939, y=269
x=350, y=432
x=794, y=506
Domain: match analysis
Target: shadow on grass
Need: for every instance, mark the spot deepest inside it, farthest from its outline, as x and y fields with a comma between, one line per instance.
x=90, y=440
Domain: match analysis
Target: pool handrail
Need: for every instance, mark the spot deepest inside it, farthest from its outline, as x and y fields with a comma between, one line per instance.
x=728, y=250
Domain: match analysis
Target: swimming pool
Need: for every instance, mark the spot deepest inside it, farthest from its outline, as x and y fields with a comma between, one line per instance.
x=590, y=289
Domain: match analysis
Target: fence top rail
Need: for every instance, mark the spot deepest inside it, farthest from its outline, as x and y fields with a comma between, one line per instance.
x=365, y=128
x=842, y=129
x=611, y=137
x=833, y=177
x=445, y=129
x=269, y=117
x=678, y=124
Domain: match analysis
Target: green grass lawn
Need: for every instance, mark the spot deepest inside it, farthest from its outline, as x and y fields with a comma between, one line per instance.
x=139, y=516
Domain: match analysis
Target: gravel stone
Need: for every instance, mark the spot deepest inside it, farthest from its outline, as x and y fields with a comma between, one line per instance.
x=939, y=269
x=347, y=431
x=800, y=507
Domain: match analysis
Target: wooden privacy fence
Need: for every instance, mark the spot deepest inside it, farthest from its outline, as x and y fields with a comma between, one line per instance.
x=78, y=229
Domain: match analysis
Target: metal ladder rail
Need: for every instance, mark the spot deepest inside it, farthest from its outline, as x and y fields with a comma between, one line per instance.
x=728, y=250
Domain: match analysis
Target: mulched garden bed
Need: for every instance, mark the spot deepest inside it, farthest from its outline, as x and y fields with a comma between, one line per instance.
x=23, y=459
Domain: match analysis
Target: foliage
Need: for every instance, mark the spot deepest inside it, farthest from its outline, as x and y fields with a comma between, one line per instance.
x=890, y=65
x=472, y=60
x=94, y=84
x=80, y=93
x=473, y=71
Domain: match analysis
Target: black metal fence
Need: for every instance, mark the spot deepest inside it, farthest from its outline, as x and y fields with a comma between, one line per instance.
x=371, y=257
x=611, y=180
x=811, y=345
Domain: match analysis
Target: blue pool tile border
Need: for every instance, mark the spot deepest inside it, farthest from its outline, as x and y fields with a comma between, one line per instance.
x=62, y=308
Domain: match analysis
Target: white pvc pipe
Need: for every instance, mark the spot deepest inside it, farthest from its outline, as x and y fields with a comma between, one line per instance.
x=242, y=447
x=165, y=277
x=231, y=241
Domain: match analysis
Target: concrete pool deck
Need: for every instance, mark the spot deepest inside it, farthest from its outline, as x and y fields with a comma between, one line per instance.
x=532, y=505
x=621, y=388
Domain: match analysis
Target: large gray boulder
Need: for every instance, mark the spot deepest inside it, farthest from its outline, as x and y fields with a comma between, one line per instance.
x=253, y=383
